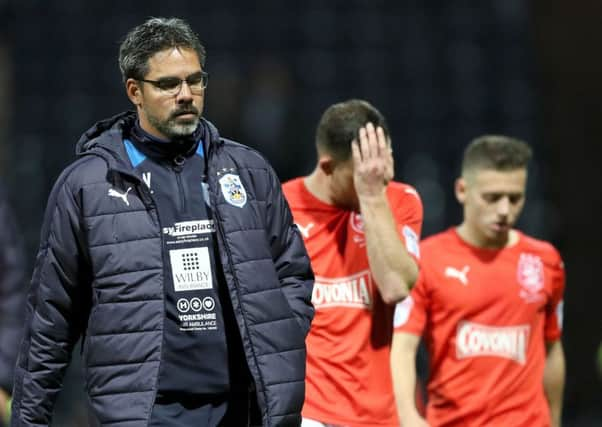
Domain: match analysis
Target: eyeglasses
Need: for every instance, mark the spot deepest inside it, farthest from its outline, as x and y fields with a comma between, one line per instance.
x=196, y=82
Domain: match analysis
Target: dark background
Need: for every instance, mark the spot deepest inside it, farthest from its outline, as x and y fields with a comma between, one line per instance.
x=441, y=72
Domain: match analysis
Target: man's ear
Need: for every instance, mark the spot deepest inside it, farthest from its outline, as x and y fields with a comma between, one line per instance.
x=460, y=189
x=134, y=92
x=326, y=164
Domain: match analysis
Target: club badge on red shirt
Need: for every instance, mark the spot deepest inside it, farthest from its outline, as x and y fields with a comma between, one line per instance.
x=529, y=274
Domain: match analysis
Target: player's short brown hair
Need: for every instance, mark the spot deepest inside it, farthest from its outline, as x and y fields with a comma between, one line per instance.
x=340, y=124
x=496, y=152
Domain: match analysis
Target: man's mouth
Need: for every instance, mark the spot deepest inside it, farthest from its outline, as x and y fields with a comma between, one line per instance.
x=185, y=113
x=501, y=226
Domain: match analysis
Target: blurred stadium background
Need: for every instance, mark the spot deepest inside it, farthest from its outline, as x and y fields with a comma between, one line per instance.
x=441, y=72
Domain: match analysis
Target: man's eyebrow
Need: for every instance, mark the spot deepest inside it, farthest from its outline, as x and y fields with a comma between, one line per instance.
x=196, y=73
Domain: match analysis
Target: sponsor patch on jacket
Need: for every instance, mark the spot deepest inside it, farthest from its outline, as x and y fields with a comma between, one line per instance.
x=233, y=190
x=190, y=228
x=191, y=269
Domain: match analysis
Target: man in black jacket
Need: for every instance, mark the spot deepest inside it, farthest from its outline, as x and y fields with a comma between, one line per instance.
x=173, y=253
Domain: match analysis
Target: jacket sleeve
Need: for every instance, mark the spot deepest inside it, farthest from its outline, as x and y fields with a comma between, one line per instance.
x=289, y=254
x=56, y=303
x=12, y=293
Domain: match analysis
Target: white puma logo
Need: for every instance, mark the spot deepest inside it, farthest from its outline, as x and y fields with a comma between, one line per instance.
x=305, y=230
x=122, y=196
x=458, y=274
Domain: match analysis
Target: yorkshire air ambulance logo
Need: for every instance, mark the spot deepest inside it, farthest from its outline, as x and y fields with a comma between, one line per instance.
x=530, y=276
x=233, y=191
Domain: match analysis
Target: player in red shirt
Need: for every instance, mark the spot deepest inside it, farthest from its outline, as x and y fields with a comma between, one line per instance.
x=488, y=303
x=361, y=231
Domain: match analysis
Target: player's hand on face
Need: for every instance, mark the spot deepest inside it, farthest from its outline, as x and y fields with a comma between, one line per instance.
x=372, y=161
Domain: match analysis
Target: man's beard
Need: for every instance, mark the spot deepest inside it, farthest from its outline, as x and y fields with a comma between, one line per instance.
x=173, y=129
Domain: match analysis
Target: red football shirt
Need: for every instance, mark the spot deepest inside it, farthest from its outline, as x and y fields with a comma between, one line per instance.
x=485, y=316
x=348, y=378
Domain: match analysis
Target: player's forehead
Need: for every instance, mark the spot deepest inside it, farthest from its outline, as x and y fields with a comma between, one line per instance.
x=491, y=180
x=173, y=61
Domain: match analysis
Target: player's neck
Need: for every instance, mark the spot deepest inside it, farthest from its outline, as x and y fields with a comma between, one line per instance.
x=478, y=240
x=317, y=184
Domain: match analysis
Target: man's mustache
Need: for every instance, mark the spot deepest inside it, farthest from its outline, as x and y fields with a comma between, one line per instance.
x=187, y=110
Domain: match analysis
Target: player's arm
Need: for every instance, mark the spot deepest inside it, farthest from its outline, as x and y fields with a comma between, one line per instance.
x=403, y=371
x=393, y=268
x=553, y=379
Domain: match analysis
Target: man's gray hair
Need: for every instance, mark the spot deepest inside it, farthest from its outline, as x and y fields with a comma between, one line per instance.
x=155, y=35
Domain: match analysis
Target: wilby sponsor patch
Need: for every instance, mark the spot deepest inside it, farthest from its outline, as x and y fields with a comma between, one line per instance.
x=191, y=269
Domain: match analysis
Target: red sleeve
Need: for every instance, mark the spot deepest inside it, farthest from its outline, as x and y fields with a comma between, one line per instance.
x=553, y=326
x=407, y=212
x=411, y=313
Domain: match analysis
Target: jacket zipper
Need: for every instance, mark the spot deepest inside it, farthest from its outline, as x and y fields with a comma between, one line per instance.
x=179, y=165
x=153, y=207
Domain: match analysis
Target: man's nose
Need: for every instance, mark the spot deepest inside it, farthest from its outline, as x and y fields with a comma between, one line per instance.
x=185, y=94
x=503, y=206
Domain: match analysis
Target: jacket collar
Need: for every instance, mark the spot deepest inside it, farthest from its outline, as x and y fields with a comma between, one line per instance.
x=105, y=139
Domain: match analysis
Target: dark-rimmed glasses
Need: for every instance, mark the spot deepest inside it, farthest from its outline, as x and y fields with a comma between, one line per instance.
x=197, y=83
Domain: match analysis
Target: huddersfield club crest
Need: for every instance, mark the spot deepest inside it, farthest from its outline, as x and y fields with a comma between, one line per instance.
x=530, y=276
x=233, y=191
